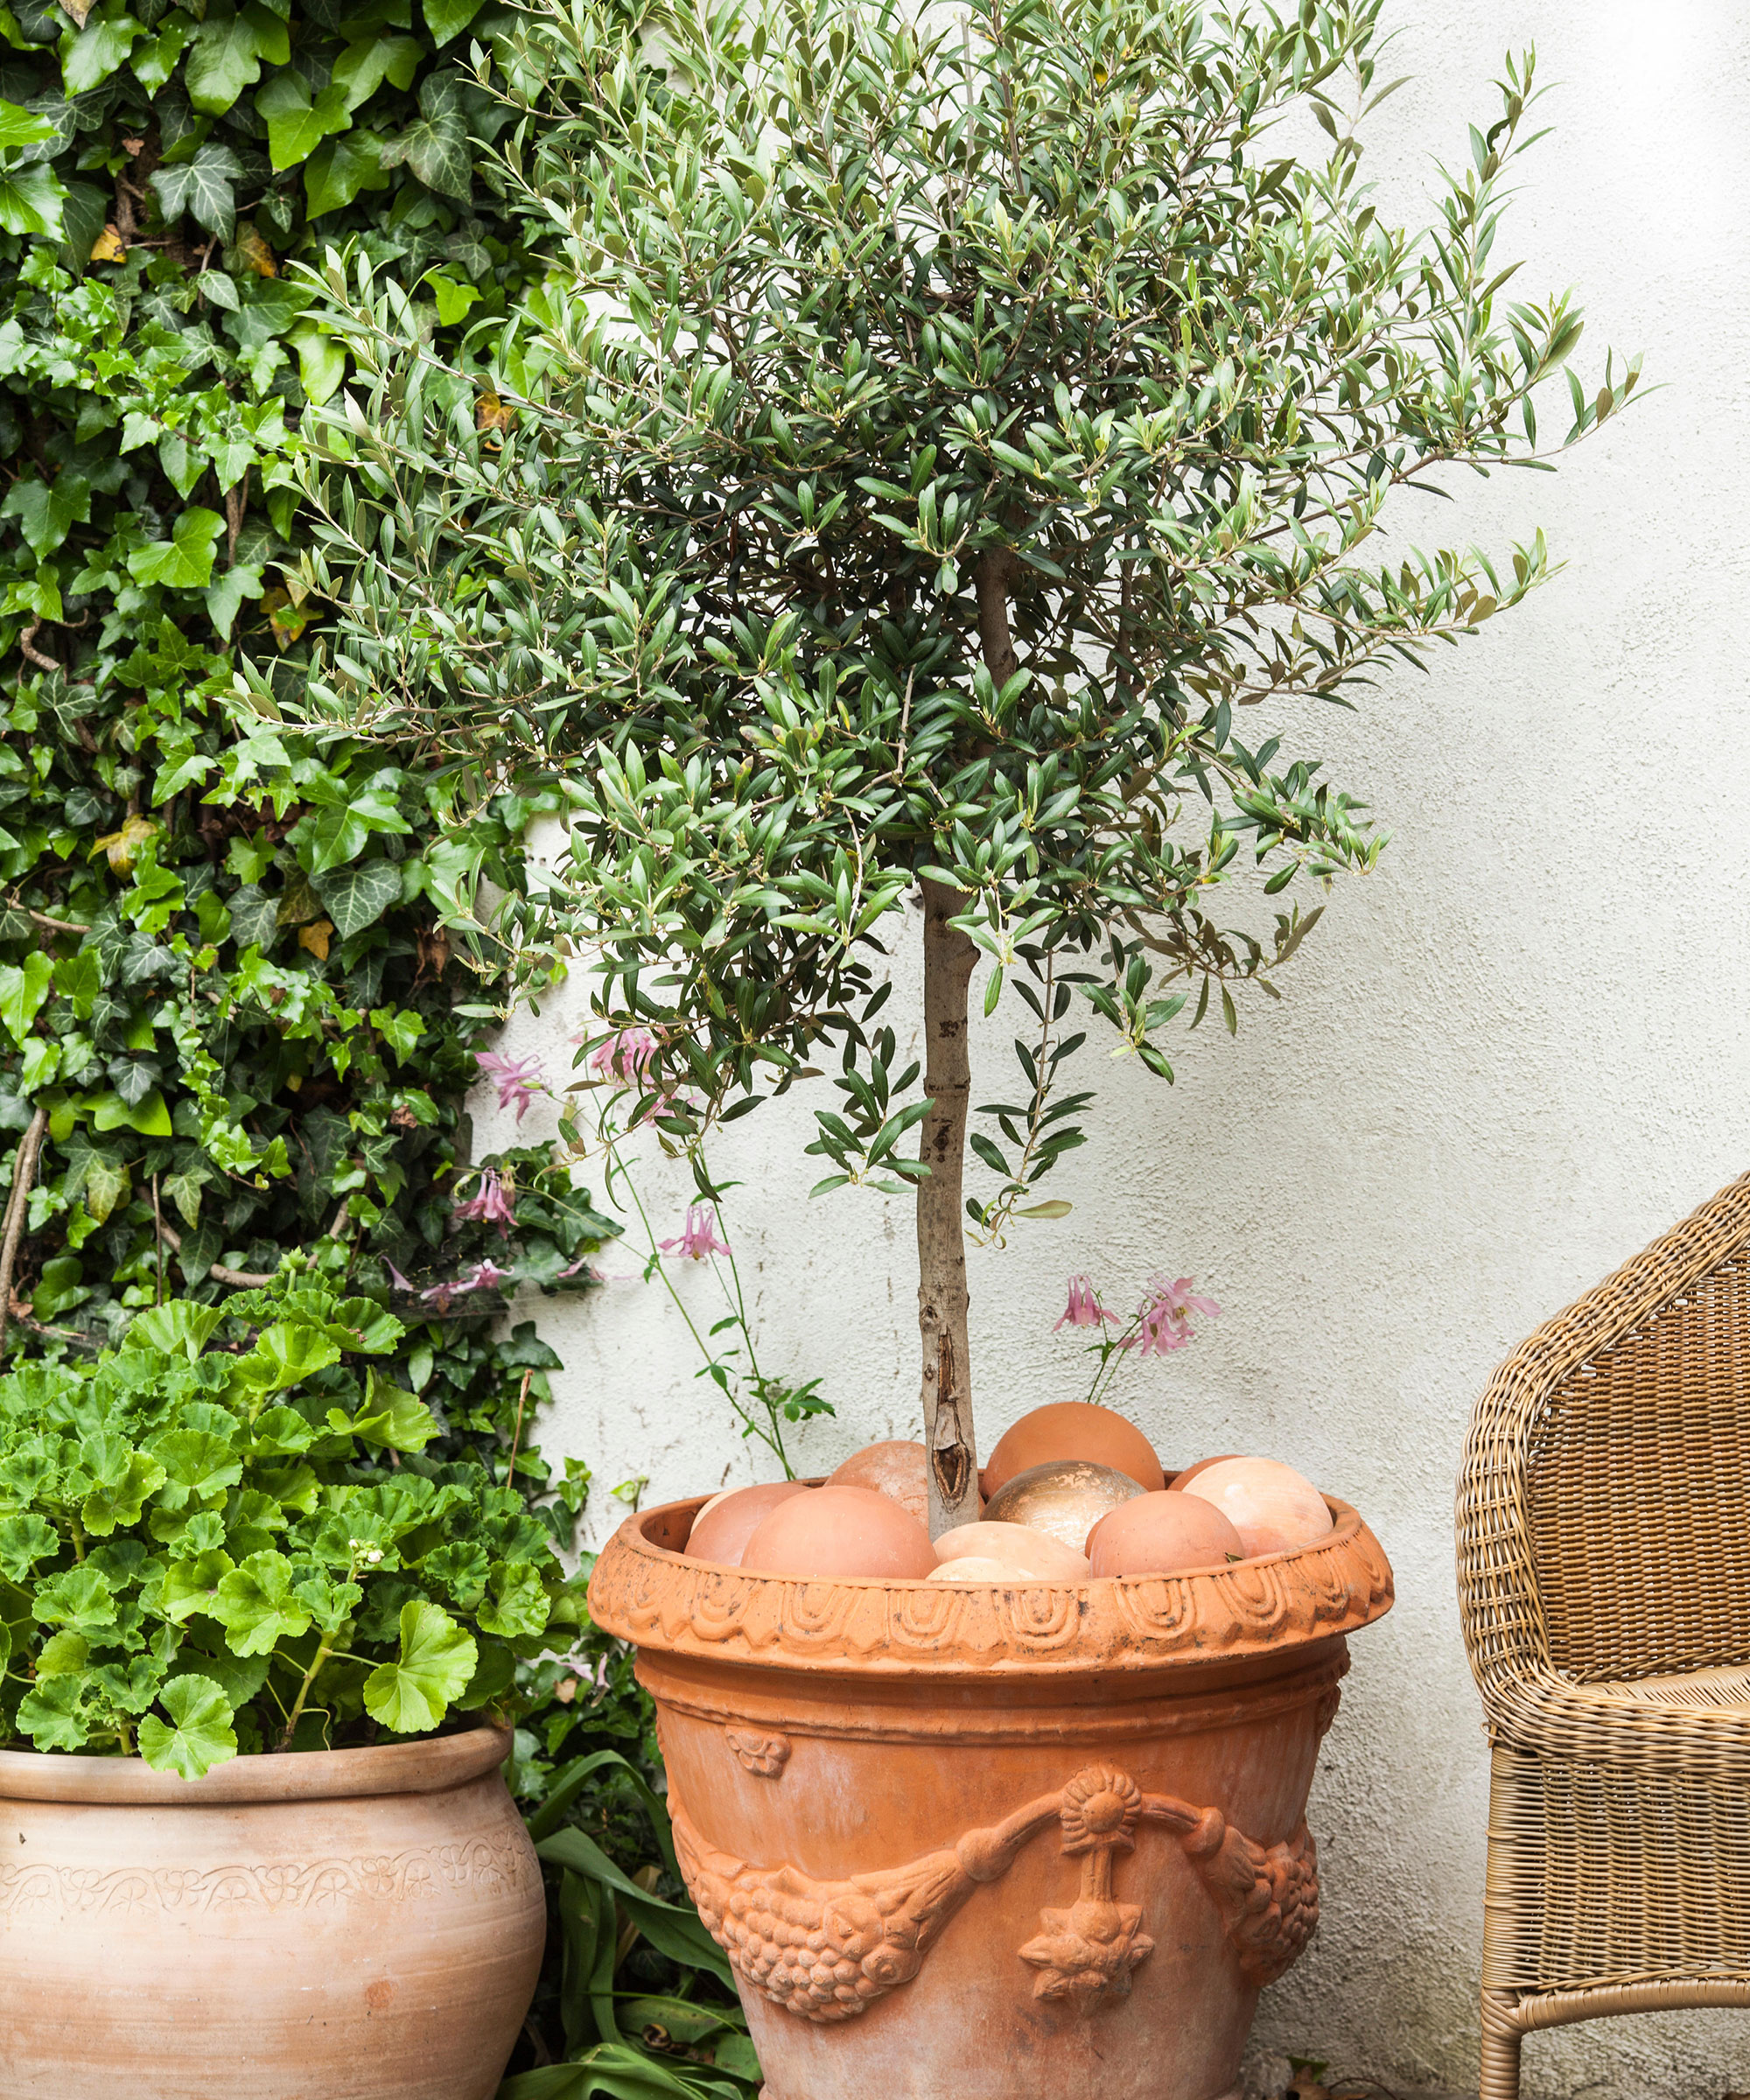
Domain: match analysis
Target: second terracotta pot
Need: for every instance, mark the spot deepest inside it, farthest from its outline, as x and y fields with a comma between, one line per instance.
x=988, y=1842
x=353, y=1925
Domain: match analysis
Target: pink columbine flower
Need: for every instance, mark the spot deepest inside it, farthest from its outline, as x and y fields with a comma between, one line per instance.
x=394, y=1275
x=627, y=1055
x=489, y=1203
x=1166, y=1315
x=481, y=1277
x=697, y=1236
x=518, y=1079
x=1084, y=1309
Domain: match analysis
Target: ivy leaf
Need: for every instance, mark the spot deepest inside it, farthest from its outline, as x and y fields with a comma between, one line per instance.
x=154, y=62
x=256, y=1606
x=436, y=1664
x=149, y=1117
x=358, y=896
x=201, y=1734
x=296, y=124
x=23, y=989
x=23, y=128
x=447, y=18
x=240, y=580
x=339, y=169
x=515, y=1603
x=30, y=201
x=185, y=561
x=227, y=58
x=91, y=54
x=203, y=185
x=47, y=511
x=363, y=68
x=435, y=145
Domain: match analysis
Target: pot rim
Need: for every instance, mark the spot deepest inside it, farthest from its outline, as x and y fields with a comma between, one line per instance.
x=656, y=1596
x=432, y=1766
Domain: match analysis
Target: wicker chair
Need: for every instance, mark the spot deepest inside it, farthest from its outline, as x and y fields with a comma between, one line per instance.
x=1604, y=1578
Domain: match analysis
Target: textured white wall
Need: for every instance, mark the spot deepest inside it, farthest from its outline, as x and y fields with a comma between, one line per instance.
x=1507, y=1063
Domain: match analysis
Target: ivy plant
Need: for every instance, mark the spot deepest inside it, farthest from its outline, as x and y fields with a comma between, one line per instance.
x=202, y=1552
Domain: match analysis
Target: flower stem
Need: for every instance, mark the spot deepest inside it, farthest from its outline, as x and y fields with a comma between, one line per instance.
x=323, y=1648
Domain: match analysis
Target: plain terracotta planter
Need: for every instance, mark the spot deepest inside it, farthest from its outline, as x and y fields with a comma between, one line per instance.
x=988, y=1842
x=348, y=1925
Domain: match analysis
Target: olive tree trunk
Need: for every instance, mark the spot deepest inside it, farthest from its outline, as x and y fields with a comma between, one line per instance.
x=948, y=957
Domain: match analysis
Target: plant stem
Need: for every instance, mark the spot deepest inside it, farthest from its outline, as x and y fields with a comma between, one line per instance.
x=949, y=956
x=321, y=1655
x=24, y=1173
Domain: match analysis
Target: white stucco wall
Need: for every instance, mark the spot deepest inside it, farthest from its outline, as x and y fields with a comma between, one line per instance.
x=1507, y=1063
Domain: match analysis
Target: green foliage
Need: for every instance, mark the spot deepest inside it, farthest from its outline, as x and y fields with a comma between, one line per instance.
x=635, y=1997
x=935, y=437
x=205, y=1553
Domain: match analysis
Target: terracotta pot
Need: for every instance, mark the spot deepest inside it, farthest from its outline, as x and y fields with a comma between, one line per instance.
x=348, y=1925
x=986, y=1842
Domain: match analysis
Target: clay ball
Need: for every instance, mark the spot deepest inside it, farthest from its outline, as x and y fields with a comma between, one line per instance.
x=1163, y=1533
x=972, y=1569
x=1021, y=1550
x=897, y=1470
x=1272, y=1507
x=841, y=1531
x=1072, y=1429
x=723, y=1528
x=1067, y=1498
x=1180, y=1481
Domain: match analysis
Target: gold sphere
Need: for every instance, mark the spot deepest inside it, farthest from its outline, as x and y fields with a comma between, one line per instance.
x=1066, y=1498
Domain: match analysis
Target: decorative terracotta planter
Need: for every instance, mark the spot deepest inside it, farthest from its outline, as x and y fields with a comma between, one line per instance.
x=988, y=1843
x=353, y=1925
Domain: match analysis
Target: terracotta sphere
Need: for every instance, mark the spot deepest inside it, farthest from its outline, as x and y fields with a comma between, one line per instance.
x=1071, y=1429
x=970, y=1568
x=841, y=1531
x=1162, y=1535
x=1182, y=1481
x=1020, y=1548
x=723, y=1528
x=1067, y=1498
x=1272, y=1507
x=898, y=1470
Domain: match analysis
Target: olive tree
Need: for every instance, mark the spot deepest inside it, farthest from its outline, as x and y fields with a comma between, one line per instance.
x=938, y=439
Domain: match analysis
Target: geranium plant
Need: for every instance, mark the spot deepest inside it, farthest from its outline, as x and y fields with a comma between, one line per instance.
x=212, y=1545
x=935, y=437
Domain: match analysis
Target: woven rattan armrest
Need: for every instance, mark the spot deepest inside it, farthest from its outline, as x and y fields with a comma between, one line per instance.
x=1696, y=1728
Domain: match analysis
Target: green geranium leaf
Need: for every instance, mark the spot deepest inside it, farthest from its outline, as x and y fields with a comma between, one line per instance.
x=436, y=1664
x=79, y=1598
x=185, y=561
x=124, y=1480
x=204, y=186
x=256, y=1606
x=200, y=1734
x=227, y=54
x=192, y=1585
x=516, y=1604
x=24, y=1542
x=358, y=896
x=198, y=1467
x=329, y=1603
x=178, y=1329
x=391, y=1420
x=285, y=1354
x=51, y=1713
